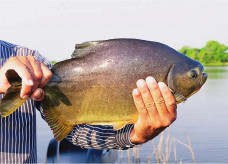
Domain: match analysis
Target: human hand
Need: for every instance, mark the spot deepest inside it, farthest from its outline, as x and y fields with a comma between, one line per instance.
x=34, y=74
x=156, y=108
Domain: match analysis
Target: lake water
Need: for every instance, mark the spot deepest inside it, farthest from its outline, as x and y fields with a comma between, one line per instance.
x=203, y=117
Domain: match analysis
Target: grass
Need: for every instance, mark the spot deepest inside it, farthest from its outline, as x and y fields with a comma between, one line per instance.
x=162, y=152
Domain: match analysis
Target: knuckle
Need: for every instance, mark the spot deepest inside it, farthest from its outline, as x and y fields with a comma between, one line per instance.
x=160, y=101
x=30, y=57
x=38, y=62
x=12, y=59
x=157, y=124
x=174, y=117
x=166, y=124
x=49, y=74
x=173, y=104
x=39, y=76
x=143, y=90
x=150, y=105
x=140, y=106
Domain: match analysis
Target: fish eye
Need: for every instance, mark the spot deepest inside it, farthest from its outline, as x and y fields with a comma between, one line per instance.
x=193, y=74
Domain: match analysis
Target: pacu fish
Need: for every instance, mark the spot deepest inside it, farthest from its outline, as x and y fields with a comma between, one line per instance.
x=95, y=85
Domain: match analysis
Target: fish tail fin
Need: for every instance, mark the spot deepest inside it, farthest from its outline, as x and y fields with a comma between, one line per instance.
x=12, y=99
x=53, y=98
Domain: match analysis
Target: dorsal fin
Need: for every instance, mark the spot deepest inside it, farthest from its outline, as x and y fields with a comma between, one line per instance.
x=80, y=49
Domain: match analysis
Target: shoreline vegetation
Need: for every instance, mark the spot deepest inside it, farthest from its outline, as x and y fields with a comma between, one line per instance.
x=212, y=54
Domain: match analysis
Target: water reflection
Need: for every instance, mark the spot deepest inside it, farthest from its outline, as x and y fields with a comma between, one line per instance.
x=217, y=72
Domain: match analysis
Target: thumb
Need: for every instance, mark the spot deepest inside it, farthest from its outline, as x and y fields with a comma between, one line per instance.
x=4, y=84
x=38, y=95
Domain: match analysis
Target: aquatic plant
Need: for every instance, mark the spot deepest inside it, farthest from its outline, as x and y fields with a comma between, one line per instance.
x=161, y=152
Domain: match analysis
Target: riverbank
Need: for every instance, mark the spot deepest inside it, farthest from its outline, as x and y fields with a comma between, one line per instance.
x=216, y=64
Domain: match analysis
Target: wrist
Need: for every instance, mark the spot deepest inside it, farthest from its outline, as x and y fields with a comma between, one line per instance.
x=135, y=139
x=123, y=137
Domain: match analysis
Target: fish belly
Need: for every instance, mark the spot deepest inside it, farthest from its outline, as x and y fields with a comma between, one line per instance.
x=98, y=105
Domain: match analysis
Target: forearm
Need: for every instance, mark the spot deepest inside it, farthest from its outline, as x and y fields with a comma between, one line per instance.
x=100, y=137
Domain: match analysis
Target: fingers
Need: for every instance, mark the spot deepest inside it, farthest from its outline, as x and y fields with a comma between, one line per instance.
x=156, y=107
x=38, y=94
x=37, y=71
x=156, y=99
x=33, y=73
x=147, y=98
x=47, y=74
x=169, y=99
x=157, y=96
x=139, y=104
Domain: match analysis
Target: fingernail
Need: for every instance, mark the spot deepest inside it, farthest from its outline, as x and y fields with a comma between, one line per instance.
x=25, y=96
x=161, y=85
x=140, y=83
x=150, y=80
x=30, y=82
x=136, y=92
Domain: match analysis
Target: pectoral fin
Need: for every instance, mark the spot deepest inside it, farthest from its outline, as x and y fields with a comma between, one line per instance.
x=179, y=97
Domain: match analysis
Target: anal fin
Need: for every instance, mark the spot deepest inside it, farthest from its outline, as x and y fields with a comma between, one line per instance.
x=119, y=125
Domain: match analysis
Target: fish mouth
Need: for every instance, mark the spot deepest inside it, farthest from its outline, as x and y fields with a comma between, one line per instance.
x=197, y=89
x=203, y=78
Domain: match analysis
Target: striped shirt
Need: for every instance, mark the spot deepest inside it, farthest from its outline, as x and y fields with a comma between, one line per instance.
x=18, y=130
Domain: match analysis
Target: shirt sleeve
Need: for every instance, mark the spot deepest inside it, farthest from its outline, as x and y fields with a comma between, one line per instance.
x=42, y=59
x=24, y=51
x=101, y=137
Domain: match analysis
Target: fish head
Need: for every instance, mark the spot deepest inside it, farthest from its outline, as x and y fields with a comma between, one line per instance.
x=185, y=79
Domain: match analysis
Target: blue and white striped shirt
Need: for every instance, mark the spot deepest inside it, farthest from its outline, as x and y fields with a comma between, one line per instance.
x=18, y=131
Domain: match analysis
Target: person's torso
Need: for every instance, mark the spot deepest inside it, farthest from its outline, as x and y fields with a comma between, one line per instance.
x=18, y=130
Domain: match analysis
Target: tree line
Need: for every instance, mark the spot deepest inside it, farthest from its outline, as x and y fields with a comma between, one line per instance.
x=213, y=53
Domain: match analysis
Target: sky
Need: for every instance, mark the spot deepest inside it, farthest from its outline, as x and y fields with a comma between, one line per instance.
x=54, y=26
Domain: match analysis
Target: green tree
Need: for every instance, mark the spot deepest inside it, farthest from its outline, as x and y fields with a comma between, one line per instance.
x=212, y=53
x=53, y=62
